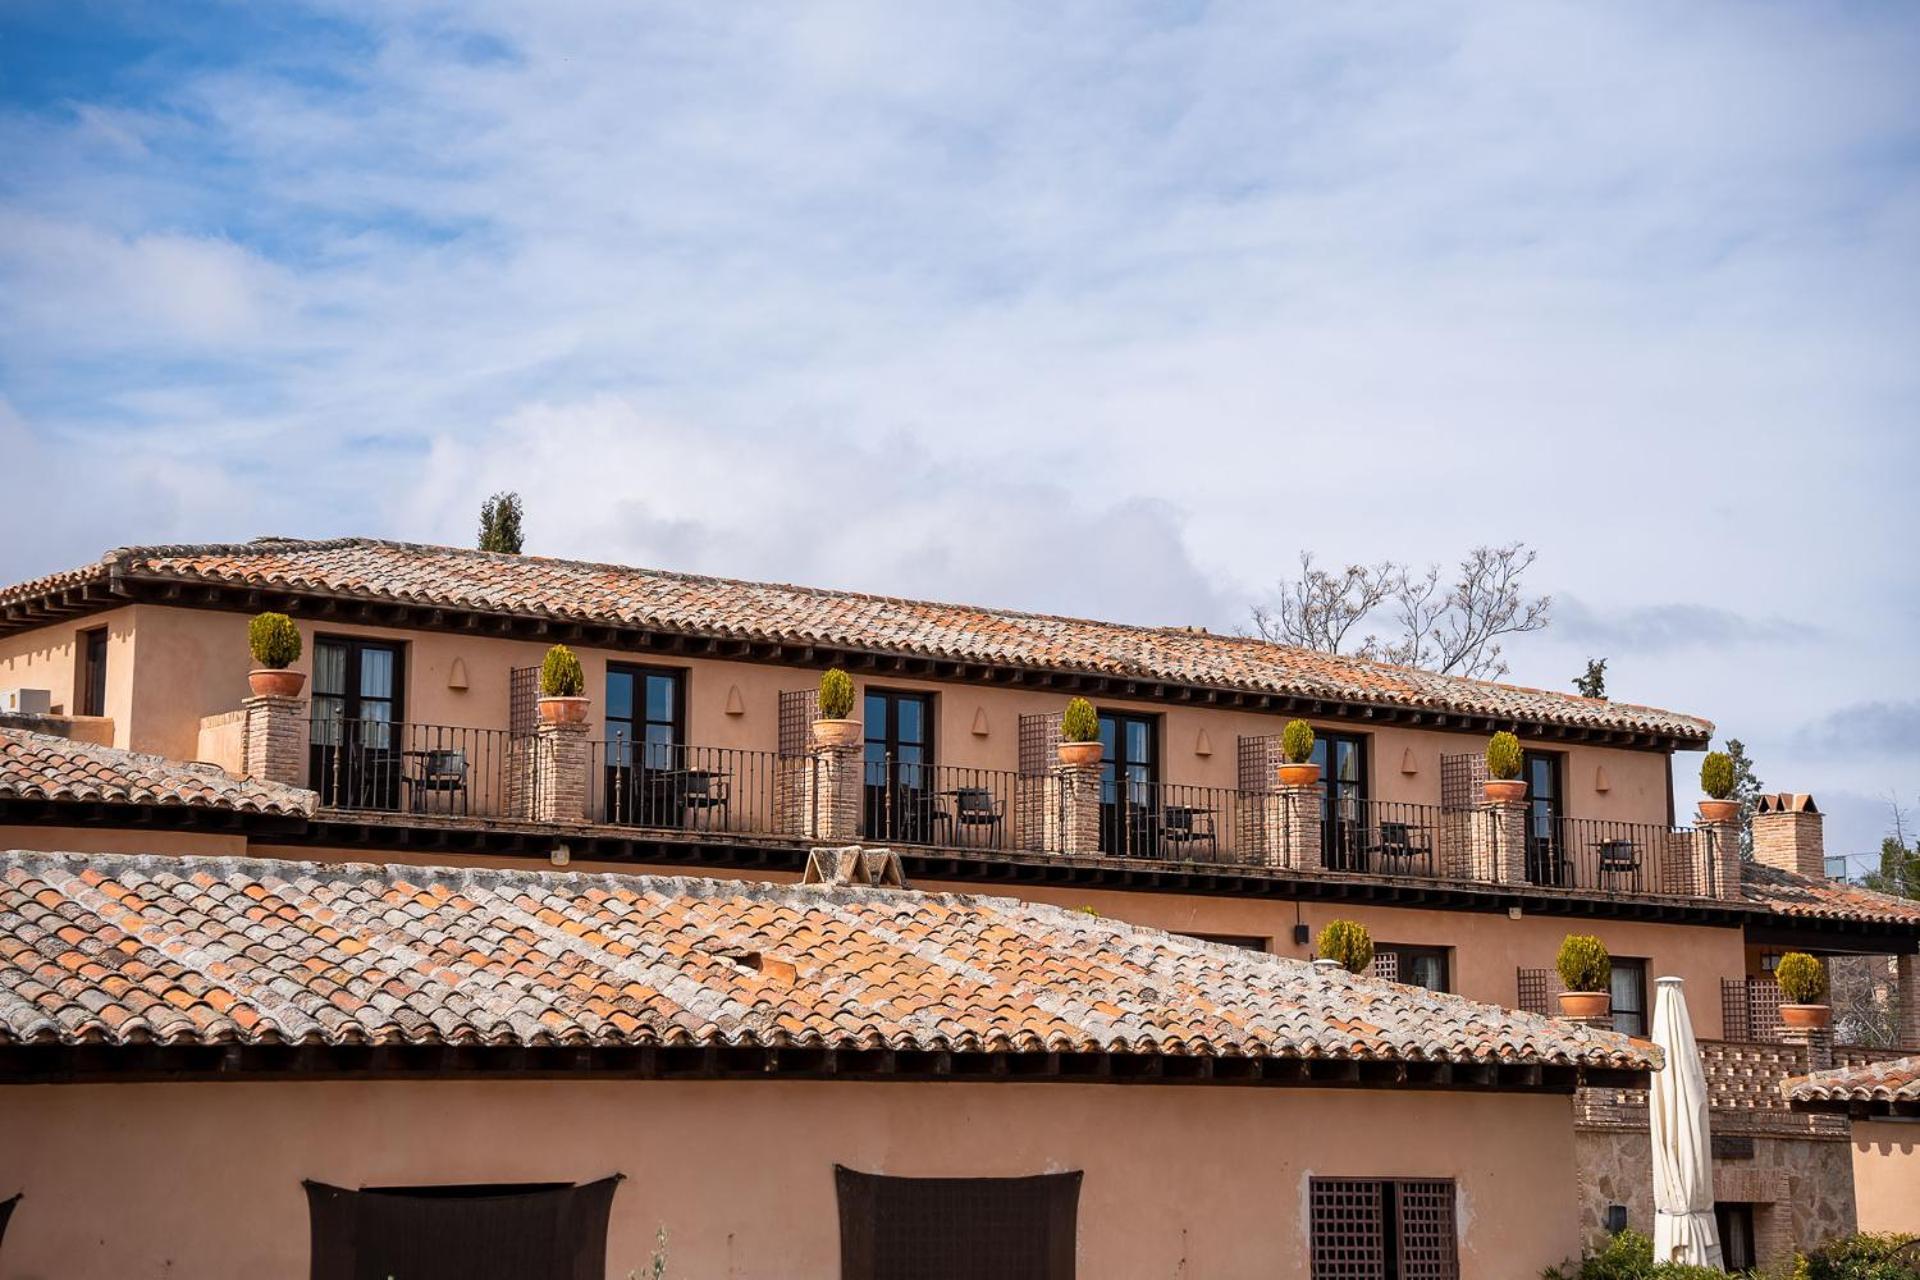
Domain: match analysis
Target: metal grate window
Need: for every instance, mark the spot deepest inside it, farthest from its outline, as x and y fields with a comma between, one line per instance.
x=1383, y=1229
x=957, y=1228
x=799, y=708
x=1460, y=781
x=1539, y=989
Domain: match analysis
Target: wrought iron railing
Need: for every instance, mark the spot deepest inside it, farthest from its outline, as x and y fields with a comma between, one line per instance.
x=1394, y=838
x=906, y=802
x=684, y=788
x=1170, y=822
x=1618, y=857
x=406, y=767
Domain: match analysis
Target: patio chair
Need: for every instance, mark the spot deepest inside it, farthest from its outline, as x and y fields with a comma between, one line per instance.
x=1185, y=827
x=440, y=772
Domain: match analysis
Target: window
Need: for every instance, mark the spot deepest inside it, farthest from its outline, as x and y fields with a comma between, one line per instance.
x=1129, y=772
x=1734, y=1223
x=93, y=672
x=646, y=734
x=900, y=795
x=1383, y=1229
x=1245, y=941
x=354, y=757
x=541, y=1231
x=1547, y=860
x=957, y=1228
x=1630, y=996
x=1342, y=759
x=1415, y=966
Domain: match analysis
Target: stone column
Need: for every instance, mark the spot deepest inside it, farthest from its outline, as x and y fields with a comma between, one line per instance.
x=1292, y=827
x=831, y=791
x=1906, y=996
x=1716, y=860
x=1817, y=1041
x=275, y=739
x=1787, y=834
x=1499, y=848
x=560, y=766
x=1072, y=819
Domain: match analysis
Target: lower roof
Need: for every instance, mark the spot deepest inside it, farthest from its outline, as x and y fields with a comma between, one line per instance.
x=118, y=953
x=1887, y=1087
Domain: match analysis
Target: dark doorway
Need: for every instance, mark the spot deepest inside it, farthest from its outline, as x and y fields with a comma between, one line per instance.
x=354, y=753
x=1129, y=784
x=542, y=1231
x=646, y=776
x=957, y=1228
x=1548, y=862
x=93, y=672
x=899, y=798
x=1734, y=1222
x=1343, y=811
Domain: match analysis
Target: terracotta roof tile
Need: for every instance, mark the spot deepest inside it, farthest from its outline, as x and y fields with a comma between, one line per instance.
x=1891, y=1080
x=1797, y=895
x=869, y=967
x=43, y=766
x=452, y=577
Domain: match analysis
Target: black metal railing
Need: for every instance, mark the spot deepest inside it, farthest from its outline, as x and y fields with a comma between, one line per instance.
x=683, y=788
x=1169, y=821
x=405, y=767
x=1392, y=838
x=1617, y=857
x=907, y=802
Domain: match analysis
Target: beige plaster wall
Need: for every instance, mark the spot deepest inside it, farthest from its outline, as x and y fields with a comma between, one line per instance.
x=1886, y=1174
x=47, y=658
x=203, y=1180
x=122, y=840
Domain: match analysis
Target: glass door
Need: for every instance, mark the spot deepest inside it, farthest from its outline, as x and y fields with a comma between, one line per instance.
x=1129, y=791
x=1548, y=860
x=1343, y=772
x=354, y=754
x=646, y=778
x=899, y=800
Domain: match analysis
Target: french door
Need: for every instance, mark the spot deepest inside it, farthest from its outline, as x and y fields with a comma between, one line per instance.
x=647, y=782
x=1549, y=861
x=354, y=755
x=1343, y=818
x=1129, y=784
x=899, y=799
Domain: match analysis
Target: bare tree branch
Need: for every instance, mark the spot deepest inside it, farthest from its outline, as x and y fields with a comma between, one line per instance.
x=1318, y=609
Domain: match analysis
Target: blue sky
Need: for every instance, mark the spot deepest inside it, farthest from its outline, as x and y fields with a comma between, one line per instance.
x=1105, y=309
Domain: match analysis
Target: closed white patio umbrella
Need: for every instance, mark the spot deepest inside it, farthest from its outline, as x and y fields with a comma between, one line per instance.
x=1683, y=1229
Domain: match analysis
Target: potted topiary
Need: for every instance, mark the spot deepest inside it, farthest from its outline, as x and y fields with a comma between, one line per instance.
x=1297, y=768
x=1586, y=971
x=1504, y=785
x=1716, y=779
x=275, y=643
x=833, y=728
x=1803, y=984
x=1346, y=944
x=562, y=686
x=1079, y=734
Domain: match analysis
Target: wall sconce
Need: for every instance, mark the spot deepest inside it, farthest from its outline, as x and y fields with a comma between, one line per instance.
x=979, y=722
x=457, y=674
x=1408, y=765
x=1600, y=780
x=735, y=707
x=1203, y=745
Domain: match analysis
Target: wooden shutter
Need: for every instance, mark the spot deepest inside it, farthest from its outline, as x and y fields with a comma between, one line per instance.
x=1348, y=1228
x=460, y=1232
x=957, y=1228
x=1424, y=1214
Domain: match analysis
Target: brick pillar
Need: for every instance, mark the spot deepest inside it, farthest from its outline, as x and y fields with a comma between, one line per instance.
x=831, y=791
x=276, y=739
x=1599, y=1021
x=1817, y=1041
x=1499, y=848
x=1716, y=860
x=1291, y=819
x=1072, y=819
x=1906, y=997
x=560, y=764
x=1787, y=835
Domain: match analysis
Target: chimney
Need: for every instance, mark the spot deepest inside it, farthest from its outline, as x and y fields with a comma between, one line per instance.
x=853, y=865
x=1787, y=835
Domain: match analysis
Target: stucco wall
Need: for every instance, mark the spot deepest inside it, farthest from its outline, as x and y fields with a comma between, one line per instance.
x=46, y=658
x=203, y=1180
x=1886, y=1174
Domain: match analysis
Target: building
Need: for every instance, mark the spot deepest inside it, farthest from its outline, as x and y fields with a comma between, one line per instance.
x=1882, y=1102
x=416, y=741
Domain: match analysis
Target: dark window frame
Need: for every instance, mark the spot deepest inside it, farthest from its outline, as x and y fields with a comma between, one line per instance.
x=1644, y=967
x=1402, y=950
x=890, y=1227
x=1130, y=829
x=1733, y=1223
x=1548, y=862
x=1244, y=941
x=543, y=1231
x=897, y=794
x=1343, y=834
x=91, y=697
x=356, y=647
x=1342, y=1245
x=639, y=672
x=351, y=761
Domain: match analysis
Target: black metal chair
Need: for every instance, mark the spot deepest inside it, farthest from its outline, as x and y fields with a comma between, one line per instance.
x=440, y=772
x=1618, y=858
x=1400, y=845
x=706, y=795
x=1186, y=827
x=977, y=809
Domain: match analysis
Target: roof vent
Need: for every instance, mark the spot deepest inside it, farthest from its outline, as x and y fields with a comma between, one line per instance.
x=853, y=865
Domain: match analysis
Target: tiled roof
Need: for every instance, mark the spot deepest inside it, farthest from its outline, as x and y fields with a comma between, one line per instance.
x=42, y=766
x=121, y=949
x=1892, y=1080
x=457, y=578
x=1797, y=895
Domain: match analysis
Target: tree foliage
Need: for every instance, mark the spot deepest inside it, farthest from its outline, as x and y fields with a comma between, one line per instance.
x=1454, y=625
x=1593, y=682
x=561, y=675
x=500, y=523
x=1746, y=789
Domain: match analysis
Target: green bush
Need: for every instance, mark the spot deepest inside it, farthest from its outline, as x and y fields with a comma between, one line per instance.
x=560, y=674
x=1079, y=722
x=1347, y=942
x=836, y=695
x=1628, y=1256
x=1583, y=963
x=274, y=639
x=1296, y=742
x=1867, y=1256
x=1503, y=756
x=1802, y=979
x=1716, y=775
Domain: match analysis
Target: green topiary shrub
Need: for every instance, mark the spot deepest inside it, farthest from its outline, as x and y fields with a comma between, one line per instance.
x=560, y=674
x=1347, y=942
x=1503, y=756
x=1802, y=979
x=1716, y=775
x=836, y=695
x=274, y=640
x=1584, y=964
x=1296, y=742
x=1079, y=722
x=1629, y=1256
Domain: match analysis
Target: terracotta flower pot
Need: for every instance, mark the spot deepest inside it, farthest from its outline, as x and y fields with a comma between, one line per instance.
x=1080, y=752
x=563, y=710
x=1806, y=1015
x=276, y=682
x=1719, y=810
x=1298, y=775
x=836, y=733
x=1586, y=1004
x=1504, y=790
